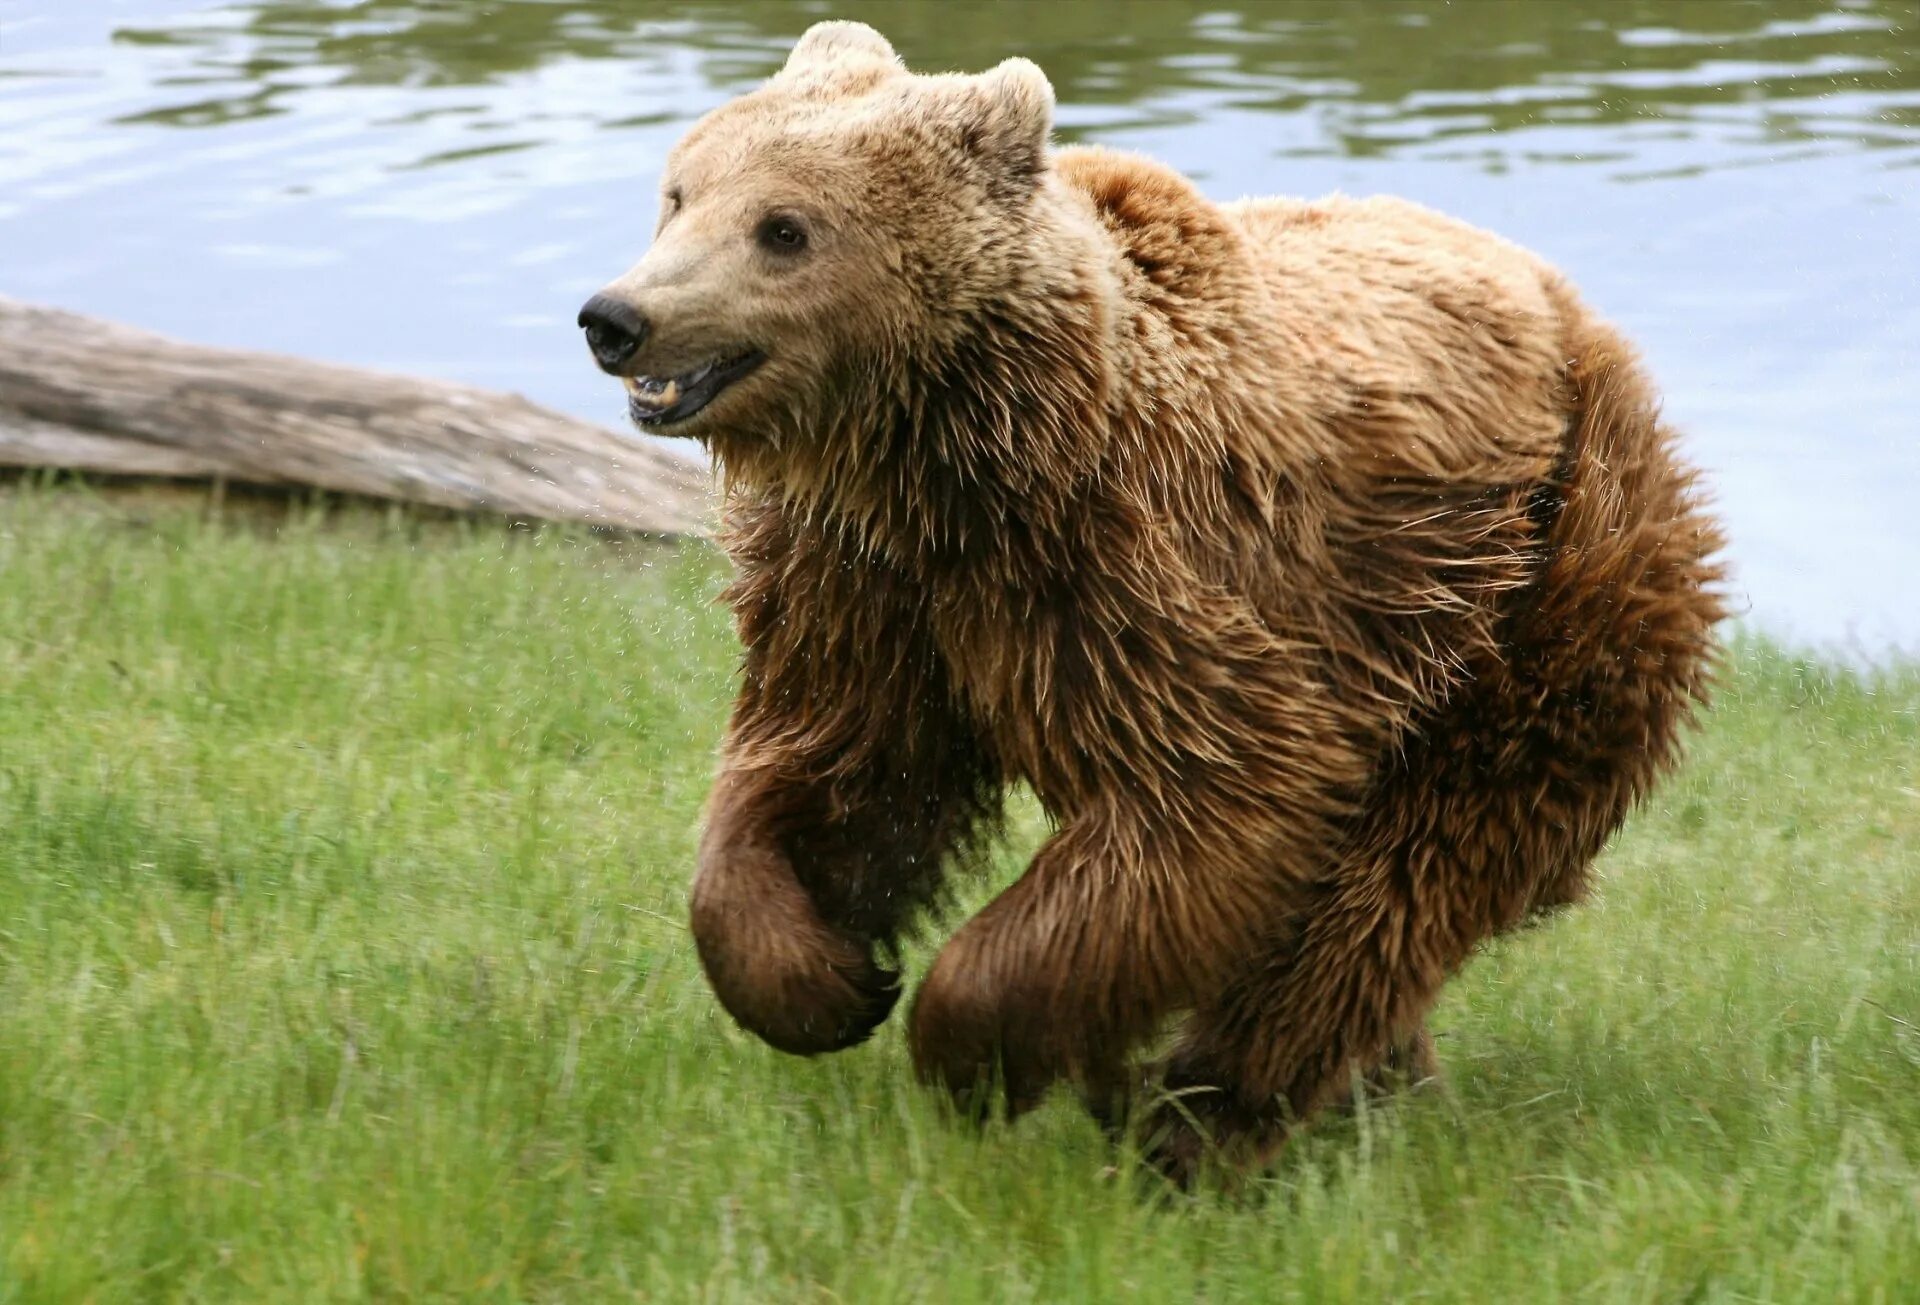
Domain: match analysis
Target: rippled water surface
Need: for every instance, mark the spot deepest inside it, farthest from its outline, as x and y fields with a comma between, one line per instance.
x=435, y=186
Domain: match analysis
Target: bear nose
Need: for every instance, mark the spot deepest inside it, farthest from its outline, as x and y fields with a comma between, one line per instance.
x=615, y=330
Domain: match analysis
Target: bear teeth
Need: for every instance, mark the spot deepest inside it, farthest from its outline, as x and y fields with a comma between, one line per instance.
x=654, y=399
x=656, y=392
x=663, y=393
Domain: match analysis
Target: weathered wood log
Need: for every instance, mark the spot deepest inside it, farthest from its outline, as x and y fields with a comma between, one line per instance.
x=89, y=395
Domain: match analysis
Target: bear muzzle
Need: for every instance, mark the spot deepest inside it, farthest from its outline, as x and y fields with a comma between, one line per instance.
x=615, y=331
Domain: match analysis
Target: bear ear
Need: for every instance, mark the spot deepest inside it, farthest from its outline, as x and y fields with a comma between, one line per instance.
x=827, y=45
x=1008, y=118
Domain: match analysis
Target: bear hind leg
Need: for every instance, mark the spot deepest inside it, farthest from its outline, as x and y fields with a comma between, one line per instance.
x=1494, y=810
x=1488, y=815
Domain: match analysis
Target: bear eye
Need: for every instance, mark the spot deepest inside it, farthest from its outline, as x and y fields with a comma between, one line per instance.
x=782, y=234
x=674, y=200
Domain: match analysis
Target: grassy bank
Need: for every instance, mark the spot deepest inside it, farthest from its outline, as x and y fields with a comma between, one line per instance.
x=341, y=885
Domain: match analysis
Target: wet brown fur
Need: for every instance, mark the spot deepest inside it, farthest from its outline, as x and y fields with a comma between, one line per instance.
x=1323, y=568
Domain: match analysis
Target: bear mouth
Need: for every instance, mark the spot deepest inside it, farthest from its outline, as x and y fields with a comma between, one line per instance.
x=654, y=401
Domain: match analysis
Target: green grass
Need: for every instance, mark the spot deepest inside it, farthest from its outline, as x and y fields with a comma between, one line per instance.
x=342, y=865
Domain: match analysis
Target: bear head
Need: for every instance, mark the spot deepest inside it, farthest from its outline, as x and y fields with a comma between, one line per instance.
x=831, y=245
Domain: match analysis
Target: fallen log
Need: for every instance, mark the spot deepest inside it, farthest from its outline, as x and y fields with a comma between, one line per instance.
x=89, y=395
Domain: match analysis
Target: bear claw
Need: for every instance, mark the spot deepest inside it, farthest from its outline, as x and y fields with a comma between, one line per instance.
x=879, y=991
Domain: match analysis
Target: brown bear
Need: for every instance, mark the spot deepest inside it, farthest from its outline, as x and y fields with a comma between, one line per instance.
x=1322, y=567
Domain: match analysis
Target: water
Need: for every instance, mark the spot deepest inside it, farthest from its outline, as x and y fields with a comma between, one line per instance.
x=434, y=187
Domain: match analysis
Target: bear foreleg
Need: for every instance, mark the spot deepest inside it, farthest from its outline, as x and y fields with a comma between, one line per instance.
x=850, y=784
x=1065, y=972
x=802, y=982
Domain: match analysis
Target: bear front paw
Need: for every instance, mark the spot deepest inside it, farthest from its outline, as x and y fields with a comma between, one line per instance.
x=979, y=1041
x=826, y=994
x=802, y=985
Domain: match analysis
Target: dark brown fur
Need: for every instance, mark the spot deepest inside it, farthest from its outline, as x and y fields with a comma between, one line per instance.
x=1324, y=569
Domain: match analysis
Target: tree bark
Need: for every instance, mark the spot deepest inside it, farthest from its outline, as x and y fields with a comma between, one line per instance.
x=90, y=395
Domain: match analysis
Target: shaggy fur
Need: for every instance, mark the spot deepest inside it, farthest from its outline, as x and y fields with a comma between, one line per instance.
x=1323, y=568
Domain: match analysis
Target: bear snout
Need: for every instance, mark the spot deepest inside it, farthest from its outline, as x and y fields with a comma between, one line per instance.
x=615, y=330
